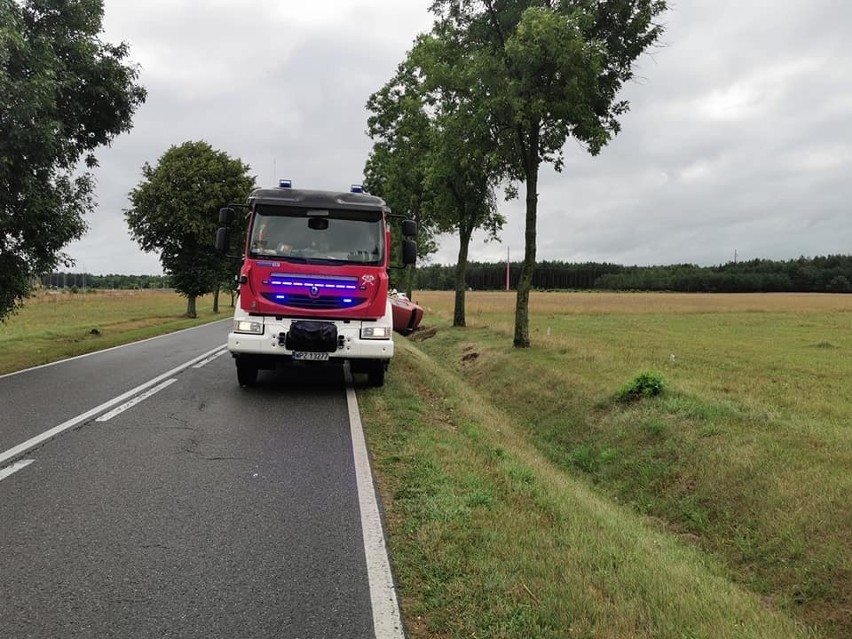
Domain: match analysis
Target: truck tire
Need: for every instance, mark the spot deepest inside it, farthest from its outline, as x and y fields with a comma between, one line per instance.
x=376, y=374
x=246, y=372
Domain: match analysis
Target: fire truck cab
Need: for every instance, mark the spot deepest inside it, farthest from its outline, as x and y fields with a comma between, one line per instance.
x=313, y=286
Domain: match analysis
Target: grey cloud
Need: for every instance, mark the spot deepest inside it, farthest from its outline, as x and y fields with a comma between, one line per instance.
x=738, y=136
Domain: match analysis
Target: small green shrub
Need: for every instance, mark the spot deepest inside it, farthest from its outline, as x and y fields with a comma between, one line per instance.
x=647, y=384
x=585, y=458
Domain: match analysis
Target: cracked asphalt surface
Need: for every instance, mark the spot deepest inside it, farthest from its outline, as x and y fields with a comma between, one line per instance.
x=206, y=510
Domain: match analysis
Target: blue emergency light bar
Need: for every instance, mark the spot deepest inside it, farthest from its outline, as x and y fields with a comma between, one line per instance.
x=288, y=184
x=328, y=282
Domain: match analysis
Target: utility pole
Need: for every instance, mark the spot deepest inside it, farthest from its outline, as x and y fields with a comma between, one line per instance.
x=507, y=268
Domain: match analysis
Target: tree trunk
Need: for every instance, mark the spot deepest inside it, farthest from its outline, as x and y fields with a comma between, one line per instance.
x=216, y=299
x=461, y=269
x=522, y=304
x=190, y=306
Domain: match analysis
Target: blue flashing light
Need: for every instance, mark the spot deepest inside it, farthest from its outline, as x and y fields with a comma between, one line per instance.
x=309, y=284
x=285, y=184
x=281, y=297
x=356, y=188
x=347, y=300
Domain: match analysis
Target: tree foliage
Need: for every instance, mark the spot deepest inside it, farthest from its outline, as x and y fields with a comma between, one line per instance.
x=175, y=210
x=462, y=172
x=432, y=152
x=65, y=93
x=396, y=167
x=542, y=72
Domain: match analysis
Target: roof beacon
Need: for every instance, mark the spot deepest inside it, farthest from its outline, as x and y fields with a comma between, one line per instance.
x=285, y=184
x=356, y=188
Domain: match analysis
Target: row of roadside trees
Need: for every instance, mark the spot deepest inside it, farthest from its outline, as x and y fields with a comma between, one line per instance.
x=482, y=101
x=491, y=93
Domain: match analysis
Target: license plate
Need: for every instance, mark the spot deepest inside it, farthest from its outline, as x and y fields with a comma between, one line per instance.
x=309, y=356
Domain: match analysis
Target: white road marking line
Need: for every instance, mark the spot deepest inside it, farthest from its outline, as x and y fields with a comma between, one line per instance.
x=210, y=359
x=14, y=468
x=386, y=617
x=120, y=409
x=48, y=434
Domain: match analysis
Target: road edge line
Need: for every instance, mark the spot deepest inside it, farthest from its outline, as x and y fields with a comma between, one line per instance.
x=387, y=620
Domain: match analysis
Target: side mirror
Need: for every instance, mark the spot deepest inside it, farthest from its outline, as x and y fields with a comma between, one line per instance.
x=409, y=228
x=409, y=252
x=226, y=216
x=223, y=239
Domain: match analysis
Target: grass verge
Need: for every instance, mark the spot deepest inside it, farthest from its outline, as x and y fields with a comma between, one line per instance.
x=56, y=325
x=490, y=538
x=744, y=458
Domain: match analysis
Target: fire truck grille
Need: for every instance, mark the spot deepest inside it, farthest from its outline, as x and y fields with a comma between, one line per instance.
x=320, y=303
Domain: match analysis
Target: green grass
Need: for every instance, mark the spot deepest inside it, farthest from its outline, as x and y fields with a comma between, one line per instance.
x=489, y=538
x=56, y=325
x=744, y=460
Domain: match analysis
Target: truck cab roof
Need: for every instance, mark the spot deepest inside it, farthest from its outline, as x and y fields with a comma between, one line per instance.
x=317, y=199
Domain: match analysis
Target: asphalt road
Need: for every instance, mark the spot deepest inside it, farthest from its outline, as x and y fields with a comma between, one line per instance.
x=203, y=510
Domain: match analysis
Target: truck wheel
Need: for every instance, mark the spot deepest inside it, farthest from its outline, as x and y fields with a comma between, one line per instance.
x=376, y=374
x=246, y=372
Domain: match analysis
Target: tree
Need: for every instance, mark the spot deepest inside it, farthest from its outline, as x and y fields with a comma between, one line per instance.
x=547, y=71
x=431, y=152
x=64, y=94
x=385, y=176
x=462, y=171
x=396, y=167
x=175, y=210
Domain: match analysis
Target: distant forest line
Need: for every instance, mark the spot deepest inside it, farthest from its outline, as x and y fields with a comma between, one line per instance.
x=829, y=274
x=83, y=281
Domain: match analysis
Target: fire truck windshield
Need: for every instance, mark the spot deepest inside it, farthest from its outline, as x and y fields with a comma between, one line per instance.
x=297, y=234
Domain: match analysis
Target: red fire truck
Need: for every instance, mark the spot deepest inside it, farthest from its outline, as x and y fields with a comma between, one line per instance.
x=314, y=281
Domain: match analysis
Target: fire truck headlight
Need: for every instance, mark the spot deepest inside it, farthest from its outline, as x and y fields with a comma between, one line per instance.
x=247, y=326
x=376, y=332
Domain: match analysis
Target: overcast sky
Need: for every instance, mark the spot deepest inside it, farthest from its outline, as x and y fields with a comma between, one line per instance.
x=738, y=142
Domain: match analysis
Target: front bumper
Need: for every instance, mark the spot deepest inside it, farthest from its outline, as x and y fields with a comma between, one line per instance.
x=350, y=343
